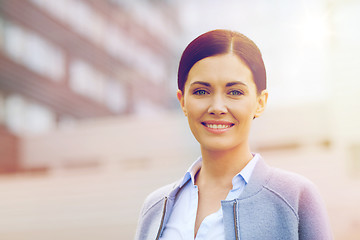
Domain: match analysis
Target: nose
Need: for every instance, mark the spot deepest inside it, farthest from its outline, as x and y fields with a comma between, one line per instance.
x=217, y=106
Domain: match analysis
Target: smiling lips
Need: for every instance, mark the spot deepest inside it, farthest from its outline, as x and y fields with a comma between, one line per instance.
x=217, y=126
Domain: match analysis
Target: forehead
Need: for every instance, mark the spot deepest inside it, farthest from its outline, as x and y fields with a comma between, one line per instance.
x=220, y=69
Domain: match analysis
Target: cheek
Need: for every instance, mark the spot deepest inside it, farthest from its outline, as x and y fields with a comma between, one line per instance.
x=243, y=111
x=192, y=111
x=195, y=107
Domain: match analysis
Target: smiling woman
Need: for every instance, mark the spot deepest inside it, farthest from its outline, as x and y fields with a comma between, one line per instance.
x=220, y=100
x=229, y=192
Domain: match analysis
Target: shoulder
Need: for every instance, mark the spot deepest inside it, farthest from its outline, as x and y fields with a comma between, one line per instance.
x=293, y=189
x=151, y=211
x=303, y=197
x=157, y=196
x=284, y=182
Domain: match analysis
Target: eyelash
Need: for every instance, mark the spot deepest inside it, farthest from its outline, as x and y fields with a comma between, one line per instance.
x=237, y=92
x=197, y=92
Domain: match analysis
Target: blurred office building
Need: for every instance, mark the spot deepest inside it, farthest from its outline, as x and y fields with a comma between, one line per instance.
x=63, y=61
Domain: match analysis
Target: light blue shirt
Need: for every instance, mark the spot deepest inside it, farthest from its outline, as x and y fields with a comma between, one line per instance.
x=181, y=223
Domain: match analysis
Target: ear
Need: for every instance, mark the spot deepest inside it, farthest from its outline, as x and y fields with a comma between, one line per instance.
x=180, y=97
x=262, y=100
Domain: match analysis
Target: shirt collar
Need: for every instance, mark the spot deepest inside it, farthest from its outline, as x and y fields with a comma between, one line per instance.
x=191, y=172
x=243, y=175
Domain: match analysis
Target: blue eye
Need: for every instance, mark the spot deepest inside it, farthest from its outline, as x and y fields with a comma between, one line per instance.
x=200, y=92
x=236, y=93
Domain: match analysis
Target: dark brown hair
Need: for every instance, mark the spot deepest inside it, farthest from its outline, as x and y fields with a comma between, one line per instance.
x=219, y=42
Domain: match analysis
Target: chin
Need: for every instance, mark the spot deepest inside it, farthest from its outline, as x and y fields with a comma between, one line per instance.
x=217, y=147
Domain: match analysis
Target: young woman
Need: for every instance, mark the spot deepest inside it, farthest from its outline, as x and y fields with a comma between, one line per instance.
x=229, y=192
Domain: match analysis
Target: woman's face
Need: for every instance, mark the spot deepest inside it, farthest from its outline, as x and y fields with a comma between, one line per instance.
x=220, y=101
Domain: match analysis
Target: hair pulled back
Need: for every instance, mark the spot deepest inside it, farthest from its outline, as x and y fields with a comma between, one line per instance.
x=219, y=42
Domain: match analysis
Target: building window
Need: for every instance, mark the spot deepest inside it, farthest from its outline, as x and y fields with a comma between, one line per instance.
x=87, y=81
x=14, y=113
x=14, y=42
x=24, y=117
x=40, y=119
x=89, y=23
x=115, y=97
x=34, y=52
x=78, y=15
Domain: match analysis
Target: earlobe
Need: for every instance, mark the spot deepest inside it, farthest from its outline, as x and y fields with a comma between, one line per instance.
x=180, y=97
x=262, y=101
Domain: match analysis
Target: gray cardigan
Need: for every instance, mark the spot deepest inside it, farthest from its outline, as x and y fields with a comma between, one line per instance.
x=275, y=204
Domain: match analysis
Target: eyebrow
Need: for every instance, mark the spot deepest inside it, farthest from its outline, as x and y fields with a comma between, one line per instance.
x=235, y=83
x=202, y=83
x=227, y=84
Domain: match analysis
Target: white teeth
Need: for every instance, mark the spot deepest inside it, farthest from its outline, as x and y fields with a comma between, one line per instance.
x=214, y=126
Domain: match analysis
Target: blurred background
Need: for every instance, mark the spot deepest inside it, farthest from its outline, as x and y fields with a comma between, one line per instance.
x=90, y=124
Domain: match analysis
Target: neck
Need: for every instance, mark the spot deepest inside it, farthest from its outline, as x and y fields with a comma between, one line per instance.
x=219, y=167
